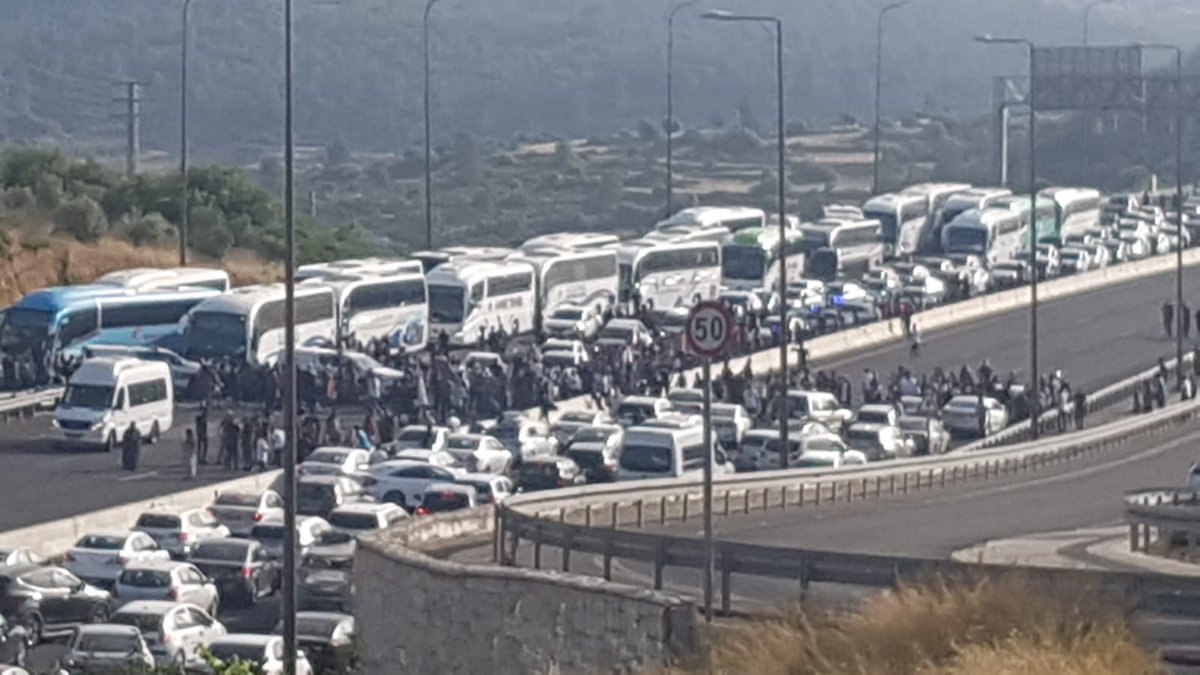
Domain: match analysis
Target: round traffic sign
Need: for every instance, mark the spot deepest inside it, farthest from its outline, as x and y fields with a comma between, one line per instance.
x=710, y=329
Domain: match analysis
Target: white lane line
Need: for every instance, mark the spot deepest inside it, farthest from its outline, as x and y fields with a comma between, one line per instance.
x=137, y=476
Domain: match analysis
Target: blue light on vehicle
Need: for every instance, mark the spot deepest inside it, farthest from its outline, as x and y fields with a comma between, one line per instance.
x=839, y=300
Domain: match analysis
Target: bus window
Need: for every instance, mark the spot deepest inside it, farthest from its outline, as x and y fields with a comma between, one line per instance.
x=77, y=324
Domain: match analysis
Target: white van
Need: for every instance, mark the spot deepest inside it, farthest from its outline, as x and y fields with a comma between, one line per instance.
x=667, y=452
x=106, y=394
x=820, y=406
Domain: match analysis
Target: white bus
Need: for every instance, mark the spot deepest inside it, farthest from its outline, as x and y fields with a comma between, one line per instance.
x=732, y=218
x=750, y=258
x=379, y=266
x=1078, y=210
x=570, y=241
x=663, y=274
x=959, y=203
x=678, y=233
x=391, y=307
x=902, y=218
x=484, y=253
x=467, y=297
x=837, y=247
x=936, y=196
x=667, y=450
x=247, y=323
x=995, y=234
x=166, y=279
x=582, y=278
x=1046, y=220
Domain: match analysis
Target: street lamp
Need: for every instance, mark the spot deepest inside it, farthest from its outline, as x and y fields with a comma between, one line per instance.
x=879, y=85
x=1034, y=384
x=1181, y=317
x=183, y=138
x=1087, y=15
x=1002, y=133
x=670, y=125
x=428, y=150
x=288, y=585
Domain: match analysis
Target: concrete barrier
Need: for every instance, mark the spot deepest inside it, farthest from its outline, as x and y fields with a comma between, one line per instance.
x=55, y=537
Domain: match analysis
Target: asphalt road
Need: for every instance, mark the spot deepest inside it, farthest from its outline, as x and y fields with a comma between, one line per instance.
x=1095, y=338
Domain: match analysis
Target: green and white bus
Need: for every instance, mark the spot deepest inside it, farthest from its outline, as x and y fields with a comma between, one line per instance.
x=750, y=258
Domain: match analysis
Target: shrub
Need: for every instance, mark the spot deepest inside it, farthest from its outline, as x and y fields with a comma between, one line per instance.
x=148, y=230
x=81, y=218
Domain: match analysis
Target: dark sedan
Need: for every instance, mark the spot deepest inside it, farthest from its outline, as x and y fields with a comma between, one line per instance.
x=48, y=601
x=327, y=638
x=242, y=568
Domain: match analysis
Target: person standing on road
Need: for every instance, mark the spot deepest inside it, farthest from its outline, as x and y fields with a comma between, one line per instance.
x=189, y=455
x=1168, y=317
x=1080, y=409
x=131, y=448
x=1185, y=323
x=914, y=342
x=248, y=433
x=202, y=434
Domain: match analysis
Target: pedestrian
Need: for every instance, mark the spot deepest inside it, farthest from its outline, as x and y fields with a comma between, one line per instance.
x=1080, y=409
x=262, y=450
x=189, y=455
x=202, y=435
x=248, y=434
x=1168, y=317
x=131, y=448
x=914, y=345
x=1185, y=322
x=278, y=445
x=1064, y=407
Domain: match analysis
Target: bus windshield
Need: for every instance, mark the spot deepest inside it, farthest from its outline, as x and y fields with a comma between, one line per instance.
x=966, y=239
x=23, y=328
x=216, y=334
x=739, y=262
x=445, y=303
x=889, y=225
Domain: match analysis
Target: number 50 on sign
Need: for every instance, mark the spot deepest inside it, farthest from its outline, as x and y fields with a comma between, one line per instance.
x=710, y=330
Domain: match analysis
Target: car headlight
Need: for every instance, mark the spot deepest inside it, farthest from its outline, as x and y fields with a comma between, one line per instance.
x=97, y=424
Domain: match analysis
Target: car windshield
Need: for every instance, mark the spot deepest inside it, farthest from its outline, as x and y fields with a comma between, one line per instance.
x=617, y=332
x=94, y=396
x=913, y=423
x=145, y=578
x=237, y=499
x=267, y=532
x=887, y=221
x=446, y=303
x=147, y=623
x=576, y=417
x=437, y=502
x=567, y=314
x=90, y=642
x=810, y=462
x=103, y=542
x=591, y=435
x=414, y=434
x=158, y=521
x=327, y=457
x=646, y=458
x=316, y=626
x=219, y=550
x=744, y=263
x=216, y=334
x=224, y=651
x=354, y=521
x=873, y=416
x=462, y=443
x=24, y=328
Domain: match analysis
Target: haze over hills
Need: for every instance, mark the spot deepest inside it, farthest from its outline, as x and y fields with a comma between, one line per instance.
x=502, y=66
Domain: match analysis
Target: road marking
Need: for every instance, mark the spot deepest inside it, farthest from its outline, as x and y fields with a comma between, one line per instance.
x=138, y=476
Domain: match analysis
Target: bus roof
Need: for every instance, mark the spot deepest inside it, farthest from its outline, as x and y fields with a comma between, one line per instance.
x=986, y=218
x=710, y=216
x=152, y=278
x=477, y=252
x=976, y=196
x=457, y=272
x=341, y=283
x=570, y=240
x=890, y=201
x=55, y=298
x=763, y=237
x=1066, y=194
x=932, y=189
x=357, y=266
x=244, y=299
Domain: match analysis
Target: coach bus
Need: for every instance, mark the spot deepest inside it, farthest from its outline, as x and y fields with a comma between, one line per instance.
x=1078, y=211
x=902, y=218
x=247, y=323
x=660, y=275
x=750, y=258
x=586, y=278
x=376, y=266
x=470, y=298
x=169, y=278
x=732, y=218
x=994, y=234
x=842, y=247
x=391, y=307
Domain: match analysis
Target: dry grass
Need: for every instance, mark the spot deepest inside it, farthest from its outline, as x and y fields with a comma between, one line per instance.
x=1000, y=627
x=51, y=261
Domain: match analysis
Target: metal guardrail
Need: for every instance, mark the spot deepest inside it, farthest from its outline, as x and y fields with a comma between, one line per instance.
x=589, y=520
x=26, y=403
x=1174, y=513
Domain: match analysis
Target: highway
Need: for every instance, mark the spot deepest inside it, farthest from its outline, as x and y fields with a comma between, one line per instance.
x=1095, y=338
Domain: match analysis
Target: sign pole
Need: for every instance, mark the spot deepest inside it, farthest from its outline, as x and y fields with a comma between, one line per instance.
x=709, y=549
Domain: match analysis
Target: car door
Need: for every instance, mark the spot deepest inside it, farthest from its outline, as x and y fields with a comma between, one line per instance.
x=201, y=628
x=56, y=604
x=185, y=634
x=194, y=587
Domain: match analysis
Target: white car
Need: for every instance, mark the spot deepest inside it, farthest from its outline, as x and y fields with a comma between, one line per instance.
x=634, y=410
x=332, y=461
x=309, y=531
x=239, y=511
x=820, y=406
x=525, y=437
x=577, y=349
x=364, y=517
x=435, y=457
x=264, y=651
x=174, y=631
x=489, y=487
x=98, y=558
x=570, y=422
x=420, y=436
x=596, y=448
x=806, y=293
x=1075, y=260
x=167, y=580
x=104, y=647
x=572, y=321
x=18, y=556
x=730, y=423
x=478, y=452
x=178, y=532
x=625, y=333
x=403, y=482
x=961, y=415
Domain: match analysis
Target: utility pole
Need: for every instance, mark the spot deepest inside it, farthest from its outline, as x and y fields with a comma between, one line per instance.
x=133, y=125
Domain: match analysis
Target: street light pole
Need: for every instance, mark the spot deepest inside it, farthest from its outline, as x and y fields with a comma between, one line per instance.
x=670, y=125
x=288, y=586
x=1035, y=391
x=879, y=86
x=781, y=147
x=1002, y=132
x=1087, y=15
x=183, y=138
x=428, y=147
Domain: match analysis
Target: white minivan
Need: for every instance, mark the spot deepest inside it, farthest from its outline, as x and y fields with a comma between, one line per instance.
x=667, y=452
x=106, y=394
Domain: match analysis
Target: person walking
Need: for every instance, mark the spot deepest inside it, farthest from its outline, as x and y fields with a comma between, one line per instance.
x=1168, y=317
x=202, y=435
x=262, y=450
x=914, y=345
x=131, y=448
x=189, y=455
x=1185, y=323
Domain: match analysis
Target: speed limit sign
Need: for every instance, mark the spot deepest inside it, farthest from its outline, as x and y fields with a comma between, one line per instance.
x=710, y=329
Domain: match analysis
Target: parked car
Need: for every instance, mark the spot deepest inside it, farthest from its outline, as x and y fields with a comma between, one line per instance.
x=444, y=497
x=569, y=422
x=625, y=333
x=265, y=652
x=324, y=587
x=929, y=435
x=634, y=410
x=177, y=532
x=827, y=452
x=99, y=557
x=524, y=437
x=332, y=461
x=168, y=580
x=365, y=517
x=730, y=423
x=477, y=452
x=14, y=647
x=240, y=510
x=18, y=555
x=241, y=568
x=327, y=639
x=49, y=601
x=420, y=436
x=182, y=370
x=573, y=321
x=1075, y=260
x=596, y=449
x=309, y=530
x=320, y=495
x=175, y=632
x=489, y=487
x=547, y=473
x=876, y=434
x=820, y=406
x=962, y=415
x=403, y=482
x=107, y=648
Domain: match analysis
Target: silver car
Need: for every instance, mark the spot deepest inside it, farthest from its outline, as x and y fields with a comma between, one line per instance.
x=178, y=532
x=167, y=580
x=107, y=648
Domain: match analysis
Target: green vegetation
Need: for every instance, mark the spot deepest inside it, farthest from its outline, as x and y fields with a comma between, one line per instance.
x=44, y=192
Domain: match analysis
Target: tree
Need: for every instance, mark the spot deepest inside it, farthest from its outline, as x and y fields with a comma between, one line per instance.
x=207, y=233
x=565, y=156
x=81, y=218
x=149, y=230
